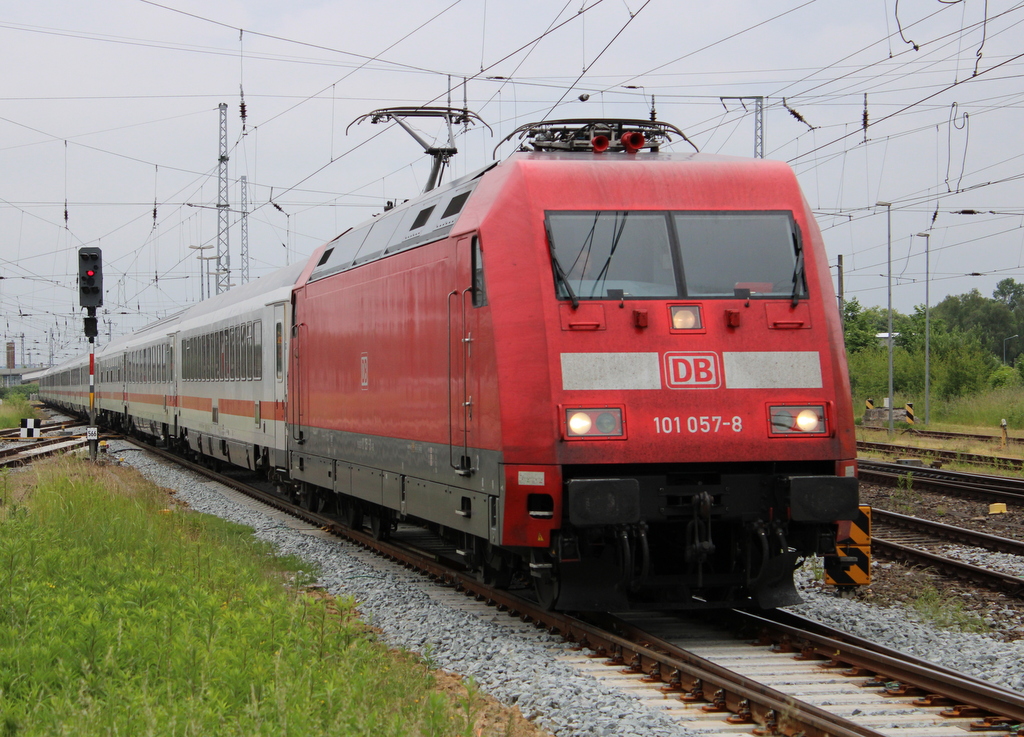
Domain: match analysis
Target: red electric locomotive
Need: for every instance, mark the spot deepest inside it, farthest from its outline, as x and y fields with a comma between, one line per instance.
x=615, y=370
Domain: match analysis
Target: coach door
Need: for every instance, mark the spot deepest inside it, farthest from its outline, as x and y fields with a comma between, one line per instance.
x=278, y=376
x=171, y=389
x=463, y=380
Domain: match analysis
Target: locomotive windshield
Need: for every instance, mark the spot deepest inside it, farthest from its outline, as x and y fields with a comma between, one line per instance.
x=649, y=254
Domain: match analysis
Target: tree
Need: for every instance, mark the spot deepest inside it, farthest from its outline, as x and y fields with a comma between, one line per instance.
x=861, y=325
x=990, y=319
x=1009, y=293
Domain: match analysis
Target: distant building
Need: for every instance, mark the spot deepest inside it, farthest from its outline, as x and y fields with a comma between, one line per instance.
x=11, y=376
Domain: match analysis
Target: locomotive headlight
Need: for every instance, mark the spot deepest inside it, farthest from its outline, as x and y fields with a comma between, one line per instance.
x=798, y=420
x=580, y=423
x=602, y=422
x=808, y=420
x=685, y=317
x=607, y=423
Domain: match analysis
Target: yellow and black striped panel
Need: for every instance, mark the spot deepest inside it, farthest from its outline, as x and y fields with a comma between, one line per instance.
x=853, y=540
x=869, y=403
x=910, y=412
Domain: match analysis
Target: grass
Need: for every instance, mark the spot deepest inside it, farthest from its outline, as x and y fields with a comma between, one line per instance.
x=904, y=498
x=119, y=615
x=13, y=410
x=947, y=611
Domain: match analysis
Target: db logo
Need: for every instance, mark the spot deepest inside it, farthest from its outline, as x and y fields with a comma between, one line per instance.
x=692, y=371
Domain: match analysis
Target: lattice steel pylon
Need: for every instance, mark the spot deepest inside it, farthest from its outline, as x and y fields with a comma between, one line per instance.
x=758, y=120
x=758, y=127
x=223, y=255
x=244, y=248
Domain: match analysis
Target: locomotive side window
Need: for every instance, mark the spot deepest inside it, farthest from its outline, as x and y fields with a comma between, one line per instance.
x=727, y=252
x=479, y=289
x=607, y=251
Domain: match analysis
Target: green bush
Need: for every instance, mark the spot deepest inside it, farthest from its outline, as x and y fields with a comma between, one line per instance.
x=1005, y=376
x=13, y=410
x=21, y=390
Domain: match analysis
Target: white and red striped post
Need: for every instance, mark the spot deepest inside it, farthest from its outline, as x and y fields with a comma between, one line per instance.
x=91, y=431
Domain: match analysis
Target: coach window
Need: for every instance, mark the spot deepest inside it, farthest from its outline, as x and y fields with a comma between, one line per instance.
x=233, y=355
x=236, y=353
x=246, y=350
x=257, y=331
x=222, y=354
x=243, y=338
x=279, y=350
x=479, y=289
x=226, y=364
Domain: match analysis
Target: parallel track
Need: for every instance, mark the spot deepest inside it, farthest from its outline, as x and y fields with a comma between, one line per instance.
x=949, y=456
x=914, y=540
x=974, y=485
x=711, y=688
x=29, y=451
x=14, y=433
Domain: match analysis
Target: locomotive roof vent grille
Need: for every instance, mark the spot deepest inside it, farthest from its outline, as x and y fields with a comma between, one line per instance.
x=597, y=135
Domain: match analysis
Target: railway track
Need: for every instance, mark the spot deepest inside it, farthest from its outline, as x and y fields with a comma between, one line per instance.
x=39, y=448
x=15, y=432
x=979, y=486
x=661, y=655
x=941, y=435
x=920, y=541
x=948, y=456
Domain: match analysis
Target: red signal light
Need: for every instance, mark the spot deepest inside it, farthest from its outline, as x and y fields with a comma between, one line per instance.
x=90, y=272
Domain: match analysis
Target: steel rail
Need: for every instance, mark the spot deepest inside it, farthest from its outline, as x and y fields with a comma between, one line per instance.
x=43, y=447
x=953, y=533
x=944, y=455
x=943, y=435
x=15, y=432
x=1012, y=585
x=906, y=669
x=999, y=488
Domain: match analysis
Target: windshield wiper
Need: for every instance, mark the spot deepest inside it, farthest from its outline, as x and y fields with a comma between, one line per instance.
x=560, y=273
x=798, y=269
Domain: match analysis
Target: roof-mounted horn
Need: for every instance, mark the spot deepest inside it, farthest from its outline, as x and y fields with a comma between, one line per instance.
x=597, y=135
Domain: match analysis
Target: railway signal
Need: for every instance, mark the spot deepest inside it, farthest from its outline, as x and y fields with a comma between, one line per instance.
x=90, y=296
x=90, y=277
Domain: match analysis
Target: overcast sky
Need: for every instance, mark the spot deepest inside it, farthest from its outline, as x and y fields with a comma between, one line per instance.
x=112, y=108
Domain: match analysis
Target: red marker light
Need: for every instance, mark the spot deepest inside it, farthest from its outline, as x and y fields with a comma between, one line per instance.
x=90, y=272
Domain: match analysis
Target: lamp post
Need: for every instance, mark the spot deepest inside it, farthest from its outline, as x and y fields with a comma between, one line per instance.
x=1004, y=346
x=888, y=219
x=927, y=326
x=202, y=293
x=204, y=259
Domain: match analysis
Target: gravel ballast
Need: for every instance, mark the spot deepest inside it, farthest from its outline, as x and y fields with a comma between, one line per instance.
x=519, y=667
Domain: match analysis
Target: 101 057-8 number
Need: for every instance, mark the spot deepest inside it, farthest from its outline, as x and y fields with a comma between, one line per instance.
x=702, y=424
